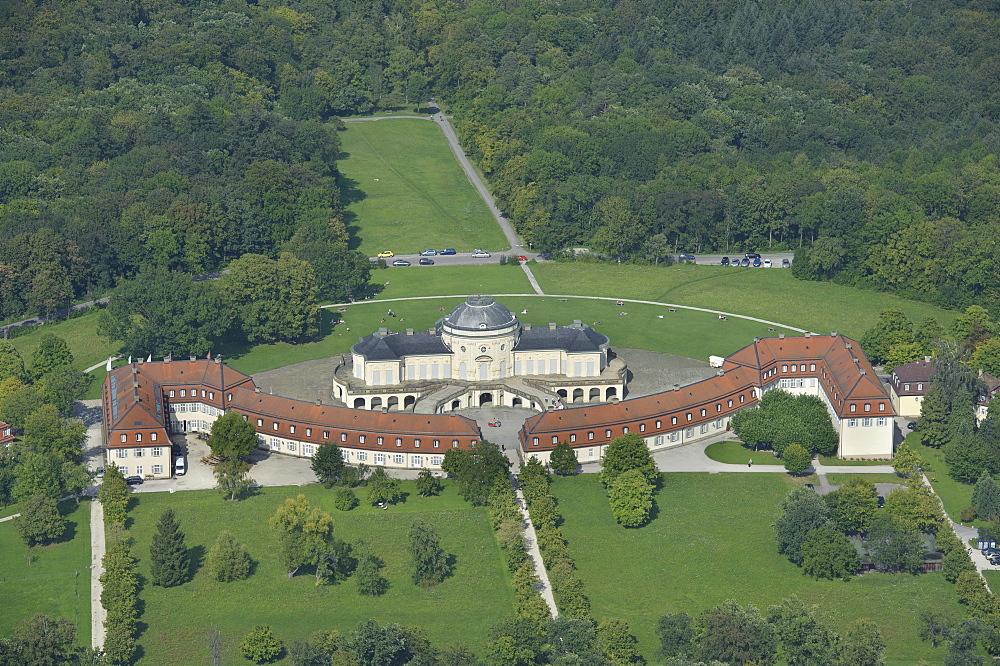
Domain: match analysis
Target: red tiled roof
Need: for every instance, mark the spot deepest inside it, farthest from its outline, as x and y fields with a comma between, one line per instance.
x=6, y=428
x=352, y=422
x=912, y=373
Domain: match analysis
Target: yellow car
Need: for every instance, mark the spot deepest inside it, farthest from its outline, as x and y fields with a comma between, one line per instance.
x=386, y=254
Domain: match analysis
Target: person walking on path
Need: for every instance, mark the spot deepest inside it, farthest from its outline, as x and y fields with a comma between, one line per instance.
x=750, y=463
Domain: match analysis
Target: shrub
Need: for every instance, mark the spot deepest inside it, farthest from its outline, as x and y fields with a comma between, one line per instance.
x=344, y=499
x=40, y=521
x=968, y=514
x=228, y=559
x=261, y=645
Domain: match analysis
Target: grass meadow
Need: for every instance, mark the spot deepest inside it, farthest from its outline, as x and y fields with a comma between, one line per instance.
x=711, y=540
x=735, y=453
x=55, y=582
x=766, y=293
x=406, y=192
x=458, y=610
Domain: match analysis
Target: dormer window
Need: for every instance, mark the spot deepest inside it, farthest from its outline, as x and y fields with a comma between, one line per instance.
x=483, y=325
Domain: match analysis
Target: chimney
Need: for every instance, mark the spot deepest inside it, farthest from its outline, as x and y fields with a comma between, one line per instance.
x=256, y=389
x=552, y=326
x=193, y=359
x=847, y=344
x=218, y=360
x=319, y=402
x=833, y=334
x=927, y=359
x=166, y=359
x=527, y=327
x=384, y=410
x=781, y=335
x=808, y=334
x=677, y=387
x=409, y=331
x=432, y=331
x=614, y=401
x=863, y=372
x=577, y=323
x=756, y=339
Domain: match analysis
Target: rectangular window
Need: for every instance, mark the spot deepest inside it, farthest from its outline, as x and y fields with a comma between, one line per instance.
x=397, y=459
x=812, y=367
x=854, y=408
x=534, y=441
x=416, y=443
x=121, y=453
x=157, y=452
x=138, y=470
x=152, y=436
x=308, y=449
x=852, y=423
x=729, y=403
x=139, y=453
x=590, y=435
x=881, y=406
x=309, y=432
x=275, y=444
x=866, y=423
x=291, y=430
x=326, y=434
x=689, y=433
x=260, y=423
x=211, y=395
x=625, y=430
x=906, y=387
x=868, y=407
x=784, y=368
x=673, y=436
x=920, y=387
x=555, y=439
x=703, y=413
x=343, y=436
x=138, y=436
x=673, y=420
x=380, y=441
x=436, y=443
x=361, y=439
x=124, y=437
x=454, y=443
x=607, y=433
x=572, y=437
x=399, y=441
x=659, y=424
x=171, y=393
x=658, y=440
x=157, y=469
x=416, y=461
x=203, y=393
x=379, y=458
x=881, y=421
x=435, y=460
x=183, y=393
x=274, y=425
x=292, y=446
x=362, y=455
x=704, y=428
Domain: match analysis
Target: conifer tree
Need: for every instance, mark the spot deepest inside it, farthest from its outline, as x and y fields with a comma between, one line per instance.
x=563, y=459
x=933, y=422
x=986, y=496
x=168, y=554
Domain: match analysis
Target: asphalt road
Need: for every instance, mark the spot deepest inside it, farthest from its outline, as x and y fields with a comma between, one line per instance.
x=460, y=259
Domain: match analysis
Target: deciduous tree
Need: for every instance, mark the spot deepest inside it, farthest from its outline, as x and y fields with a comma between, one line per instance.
x=676, y=632
x=894, y=544
x=907, y=460
x=114, y=495
x=477, y=470
x=626, y=453
x=797, y=459
x=827, y=553
x=853, y=505
x=228, y=559
x=51, y=353
x=862, y=644
x=261, y=645
x=40, y=521
x=802, y=510
x=383, y=489
x=11, y=362
x=803, y=639
x=37, y=474
x=427, y=484
x=616, y=642
x=272, y=300
x=734, y=634
x=430, y=562
x=45, y=640
x=328, y=464
x=232, y=435
x=631, y=497
x=232, y=478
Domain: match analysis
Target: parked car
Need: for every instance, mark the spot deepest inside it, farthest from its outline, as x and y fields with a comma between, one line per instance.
x=428, y=253
x=745, y=262
x=785, y=263
x=521, y=257
x=725, y=261
x=767, y=263
x=756, y=262
x=912, y=425
x=424, y=261
x=735, y=261
x=752, y=255
x=180, y=466
x=480, y=254
x=401, y=262
x=99, y=473
x=450, y=250
x=133, y=480
x=684, y=256
x=386, y=254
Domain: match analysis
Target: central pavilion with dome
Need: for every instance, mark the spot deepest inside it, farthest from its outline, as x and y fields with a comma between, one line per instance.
x=477, y=355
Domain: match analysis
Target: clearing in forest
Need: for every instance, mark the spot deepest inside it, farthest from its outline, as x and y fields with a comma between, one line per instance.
x=405, y=191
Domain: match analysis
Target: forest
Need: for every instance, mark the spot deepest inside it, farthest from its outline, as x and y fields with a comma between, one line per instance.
x=184, y=135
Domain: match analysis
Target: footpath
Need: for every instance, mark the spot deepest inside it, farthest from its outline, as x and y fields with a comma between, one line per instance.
x=97, y=612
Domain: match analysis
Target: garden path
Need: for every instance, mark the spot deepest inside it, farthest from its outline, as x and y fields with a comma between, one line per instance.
x=97, y=612
x=531, y=541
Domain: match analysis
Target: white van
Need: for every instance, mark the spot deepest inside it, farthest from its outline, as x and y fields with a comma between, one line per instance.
x=180, y=469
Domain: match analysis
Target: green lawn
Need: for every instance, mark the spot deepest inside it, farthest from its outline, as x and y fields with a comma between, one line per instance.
x=710, y=541
x=80, y=334
x=736, y=453
x=459, y=610
x=834, y=460
x=56, y=582
x=406, y=191
x=840, y=479
x=771, y=294
x=489, y=278
x=954, y=494
x=685, y=332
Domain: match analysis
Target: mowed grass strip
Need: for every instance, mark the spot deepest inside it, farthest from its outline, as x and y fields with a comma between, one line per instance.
x=767, y=293
x=407, y=192
x=56, y=581
x=461, y=609
x=711, y=540
x=735, y=453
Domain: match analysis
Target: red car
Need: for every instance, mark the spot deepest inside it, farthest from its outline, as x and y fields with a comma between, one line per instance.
x=522, y=258
x=495, y=423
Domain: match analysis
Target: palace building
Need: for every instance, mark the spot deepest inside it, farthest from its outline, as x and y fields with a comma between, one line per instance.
x=479, y=354
x=831, y=367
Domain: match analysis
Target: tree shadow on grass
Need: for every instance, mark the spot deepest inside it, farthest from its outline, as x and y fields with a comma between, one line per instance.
x=196, y=558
